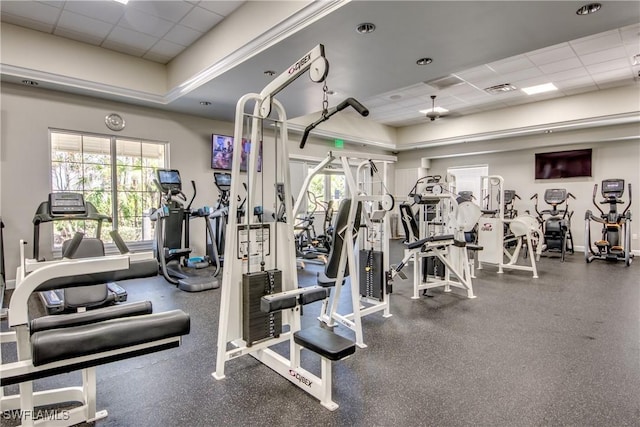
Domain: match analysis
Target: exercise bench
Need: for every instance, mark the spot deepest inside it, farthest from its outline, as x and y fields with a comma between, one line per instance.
x=58, y=344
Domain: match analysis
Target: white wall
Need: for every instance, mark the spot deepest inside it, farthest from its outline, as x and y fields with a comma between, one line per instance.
x=27, y=114
x=611, y=159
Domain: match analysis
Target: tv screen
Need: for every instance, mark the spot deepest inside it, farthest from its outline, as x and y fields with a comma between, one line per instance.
x=563, y=164
x=222, y=153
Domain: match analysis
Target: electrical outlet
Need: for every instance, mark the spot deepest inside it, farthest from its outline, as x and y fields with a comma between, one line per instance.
x=634, y=236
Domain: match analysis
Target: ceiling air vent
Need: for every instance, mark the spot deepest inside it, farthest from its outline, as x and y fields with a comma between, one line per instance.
x=445, y=82
x=497, y=89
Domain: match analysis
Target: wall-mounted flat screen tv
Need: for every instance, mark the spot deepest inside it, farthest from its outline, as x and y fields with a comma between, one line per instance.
x=222, y=153
x=563, y=164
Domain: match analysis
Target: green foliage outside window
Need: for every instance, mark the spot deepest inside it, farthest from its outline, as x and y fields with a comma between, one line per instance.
x=84, y=164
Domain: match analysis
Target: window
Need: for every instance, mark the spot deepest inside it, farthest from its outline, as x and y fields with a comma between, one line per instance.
x=326, y=187
x=114, y=174
x=468, y=178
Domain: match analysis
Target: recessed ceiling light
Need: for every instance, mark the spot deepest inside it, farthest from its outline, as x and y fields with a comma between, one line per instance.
x=636, y=59
x=424, y=61
x=205, y=103
x=331, y=92
x=395, y=97
x=365, y=28
x=532, y=90
x=269, y=73
x=439, y=110
x=589, y=8
x=122, y=1
x=502, y=88
x=30, y=82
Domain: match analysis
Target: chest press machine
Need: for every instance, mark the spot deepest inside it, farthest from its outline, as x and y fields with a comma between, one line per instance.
x=52, y=345
x=260, y=300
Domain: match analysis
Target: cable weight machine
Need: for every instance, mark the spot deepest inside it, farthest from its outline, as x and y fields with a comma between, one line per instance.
x=260, y=299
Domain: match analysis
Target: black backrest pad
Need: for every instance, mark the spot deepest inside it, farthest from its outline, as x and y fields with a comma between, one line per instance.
x=84, y=318
x=409, y=223
x=89, y=247
x=61, y=344
x=331, y=269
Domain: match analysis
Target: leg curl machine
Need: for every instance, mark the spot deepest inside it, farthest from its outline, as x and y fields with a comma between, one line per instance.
x=615, y=244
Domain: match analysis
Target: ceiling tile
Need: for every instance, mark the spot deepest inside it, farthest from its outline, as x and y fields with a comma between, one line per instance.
x=166, y=48
x=603, y=67
x=107, y=11
x=574, y=83
x=172, y=11
x=223, y=8
x=201, y=19
x=35, y=11
x=83, y=24
x=27, y=23
x=136, y=20
x=123, y=37
x=157, y=57
x=612, y=75
x=123, y=48
x=597, y=42
x=520, y=75
x=604, y=55
x=478, y=73
x=546, y=56
x=78, y=36
x=567, y=74
x=182, y=35
x=55, y=3
x=630, y=34
x=566, y=64
x=515, y=63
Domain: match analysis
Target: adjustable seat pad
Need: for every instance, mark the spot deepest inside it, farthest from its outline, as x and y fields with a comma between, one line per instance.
x=60, y=344
x=326, y=343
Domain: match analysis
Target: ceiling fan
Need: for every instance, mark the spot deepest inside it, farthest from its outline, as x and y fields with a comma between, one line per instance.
x=433, y=114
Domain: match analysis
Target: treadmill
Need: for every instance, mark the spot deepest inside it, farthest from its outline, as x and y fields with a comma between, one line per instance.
x=73, y=207
x=172, y=237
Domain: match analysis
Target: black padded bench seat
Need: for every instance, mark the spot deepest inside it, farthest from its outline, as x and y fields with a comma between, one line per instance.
x=325, y=343
x=59, y=344
x=432, y=239
x=473, y=247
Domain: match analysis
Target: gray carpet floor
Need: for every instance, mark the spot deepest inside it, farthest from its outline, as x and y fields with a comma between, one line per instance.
x=563, y=349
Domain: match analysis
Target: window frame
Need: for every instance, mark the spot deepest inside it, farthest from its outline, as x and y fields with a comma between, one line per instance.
x=113, y=140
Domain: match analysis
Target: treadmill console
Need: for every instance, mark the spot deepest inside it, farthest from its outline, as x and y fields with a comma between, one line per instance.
x=169, y=180
x=555, y=196
x=222, y=180
x=612, y=188
x=64, y=204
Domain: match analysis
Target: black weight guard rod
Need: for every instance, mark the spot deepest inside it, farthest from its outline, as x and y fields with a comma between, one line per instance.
x=361, y=109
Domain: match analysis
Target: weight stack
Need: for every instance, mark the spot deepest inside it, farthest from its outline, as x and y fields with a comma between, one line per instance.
x=257, y=325
x=371, y=274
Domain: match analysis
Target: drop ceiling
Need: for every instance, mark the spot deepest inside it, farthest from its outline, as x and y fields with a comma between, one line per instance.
x=480, y=43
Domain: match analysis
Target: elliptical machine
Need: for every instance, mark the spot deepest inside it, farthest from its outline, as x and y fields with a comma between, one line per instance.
x=556, y=225
x=172, y=230
x=615, y=243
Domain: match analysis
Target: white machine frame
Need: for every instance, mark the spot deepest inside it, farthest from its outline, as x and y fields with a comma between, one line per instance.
x=449, y=219
x=491, y=234
x=18, y=321
x=230, y=339
x=360, y=306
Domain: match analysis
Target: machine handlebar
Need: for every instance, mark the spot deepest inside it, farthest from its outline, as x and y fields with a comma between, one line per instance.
x=325, y=116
